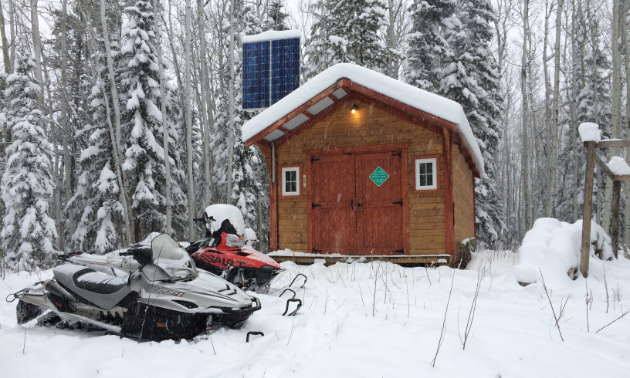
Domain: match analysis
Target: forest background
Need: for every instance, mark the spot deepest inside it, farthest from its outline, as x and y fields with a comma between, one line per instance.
x=123, y=117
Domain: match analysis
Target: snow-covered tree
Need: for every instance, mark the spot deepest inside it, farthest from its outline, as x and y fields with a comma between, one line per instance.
x=346, y=31
x=450, y=55
x=427, y=44
x=98, y=191
x=141, y=124
x=276, y=18
x=485, y=118
x=28, y=233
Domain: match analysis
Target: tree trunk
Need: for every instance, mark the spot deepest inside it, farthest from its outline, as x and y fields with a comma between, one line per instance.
x=37, y=47
x=551, y=195
x=189, y=149
x=548, y=128
x=206, y=94
x=116, y=143
x=615, y=129
x=572, y=104
x=165, y=125
x=231, y=109
x=626, y=46
x=391, y=40
x=66, y=127
x=5, y=43
x=524, y=152
x=12, y=30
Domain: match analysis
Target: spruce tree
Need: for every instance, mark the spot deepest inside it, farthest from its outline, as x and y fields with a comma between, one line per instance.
x=485, y=118
x=318, y=46
x=427, y=45
x=450, y=55
x=277, y=17
x=101, y=221
x=28, y=233
x=141, y=122
x=346, y=31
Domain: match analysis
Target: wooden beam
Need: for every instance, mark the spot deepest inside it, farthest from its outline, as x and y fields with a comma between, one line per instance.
x=613, y=143
x=616, y=204
x=313, y=120
x=608, y=172
x=447, y=189
x=603, y=165
x=588, y=207
x=396, y=259
x=301, y=109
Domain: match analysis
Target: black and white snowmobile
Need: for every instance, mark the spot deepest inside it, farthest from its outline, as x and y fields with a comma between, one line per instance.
x=148, y=292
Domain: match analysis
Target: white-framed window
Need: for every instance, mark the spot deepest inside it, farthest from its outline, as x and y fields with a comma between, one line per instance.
x=426, y=174
x=291, y=181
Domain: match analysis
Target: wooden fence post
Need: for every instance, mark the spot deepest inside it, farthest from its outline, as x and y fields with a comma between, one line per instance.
x=588, y=206
x=616, y=204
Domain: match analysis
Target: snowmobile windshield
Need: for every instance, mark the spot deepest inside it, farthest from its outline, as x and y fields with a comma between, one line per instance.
x=173, y=259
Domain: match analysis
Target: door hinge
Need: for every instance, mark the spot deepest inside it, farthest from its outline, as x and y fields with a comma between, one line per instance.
x=401, y=251
x=314, y=159
x=314, y=205
x=316, y=250
x=399, y=154
x=398, y=203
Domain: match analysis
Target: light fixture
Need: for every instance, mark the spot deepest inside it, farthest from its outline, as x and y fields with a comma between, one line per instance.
x=354, y=108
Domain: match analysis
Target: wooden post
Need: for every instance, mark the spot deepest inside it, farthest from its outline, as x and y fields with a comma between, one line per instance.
x=616, y=204
x=588, y=206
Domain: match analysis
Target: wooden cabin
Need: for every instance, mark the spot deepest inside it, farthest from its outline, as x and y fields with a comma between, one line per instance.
x=363, y=164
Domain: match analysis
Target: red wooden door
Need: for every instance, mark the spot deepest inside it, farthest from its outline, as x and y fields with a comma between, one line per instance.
x=379, y=208
x=333, y=217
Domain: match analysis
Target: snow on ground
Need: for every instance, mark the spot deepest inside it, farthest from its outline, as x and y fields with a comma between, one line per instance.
x=344, y=330
x=553, y=248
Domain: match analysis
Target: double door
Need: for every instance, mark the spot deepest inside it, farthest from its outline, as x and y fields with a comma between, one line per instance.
x=357, y=204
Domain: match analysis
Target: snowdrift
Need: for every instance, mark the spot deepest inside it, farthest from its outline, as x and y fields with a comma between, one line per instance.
x=553, y=247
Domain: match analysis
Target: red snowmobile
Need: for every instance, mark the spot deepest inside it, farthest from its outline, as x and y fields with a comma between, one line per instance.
x=224, y=252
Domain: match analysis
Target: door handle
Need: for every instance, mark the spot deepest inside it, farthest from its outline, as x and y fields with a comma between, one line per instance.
x=352, y=204
x=397, y=203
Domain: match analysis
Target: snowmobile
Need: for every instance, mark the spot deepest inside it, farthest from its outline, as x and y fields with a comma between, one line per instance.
x=226, y=250
x=148, y=292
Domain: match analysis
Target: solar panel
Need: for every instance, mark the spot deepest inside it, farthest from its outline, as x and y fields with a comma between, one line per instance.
x=271, y=68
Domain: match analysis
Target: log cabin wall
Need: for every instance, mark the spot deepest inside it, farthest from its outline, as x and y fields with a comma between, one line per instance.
x=369, y=126
x=464, y=197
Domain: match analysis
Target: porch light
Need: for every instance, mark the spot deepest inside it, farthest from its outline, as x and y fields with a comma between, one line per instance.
x=354, y=108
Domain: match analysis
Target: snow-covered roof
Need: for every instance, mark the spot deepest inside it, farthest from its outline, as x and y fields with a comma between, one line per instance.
x=417, y=98
x=271, y=35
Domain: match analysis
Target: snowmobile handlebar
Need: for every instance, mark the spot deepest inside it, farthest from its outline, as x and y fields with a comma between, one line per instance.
x=204, y=219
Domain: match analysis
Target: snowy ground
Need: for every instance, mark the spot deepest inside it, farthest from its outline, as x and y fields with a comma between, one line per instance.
x=343, y=330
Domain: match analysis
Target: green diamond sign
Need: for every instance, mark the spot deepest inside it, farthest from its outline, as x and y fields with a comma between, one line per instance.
x=379, y=176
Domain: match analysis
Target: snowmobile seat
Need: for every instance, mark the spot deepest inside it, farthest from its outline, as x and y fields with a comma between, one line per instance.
x=91, y=286
x=97, y=282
